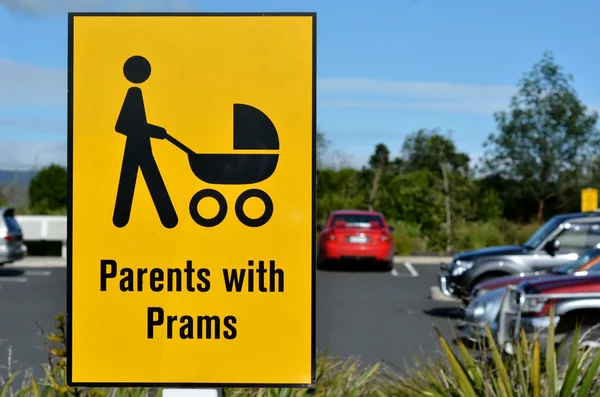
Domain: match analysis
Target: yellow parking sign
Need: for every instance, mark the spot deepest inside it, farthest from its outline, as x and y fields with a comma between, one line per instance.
x=589, y=200
x=191, y=218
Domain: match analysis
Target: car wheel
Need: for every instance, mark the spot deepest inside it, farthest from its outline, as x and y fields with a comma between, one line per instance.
x=479, y=281
x=466, y=300
x=388, y=266
x=589, y=339
x=321, y=264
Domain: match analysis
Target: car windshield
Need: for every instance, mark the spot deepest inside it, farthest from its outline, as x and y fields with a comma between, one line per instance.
x=358, y=220
x=571, y=267
x=536, y=238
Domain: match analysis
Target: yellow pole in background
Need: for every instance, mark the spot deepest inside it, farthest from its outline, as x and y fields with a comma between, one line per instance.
x=589, y=200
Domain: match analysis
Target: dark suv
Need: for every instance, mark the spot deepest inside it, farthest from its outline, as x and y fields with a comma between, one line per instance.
x=558, y=241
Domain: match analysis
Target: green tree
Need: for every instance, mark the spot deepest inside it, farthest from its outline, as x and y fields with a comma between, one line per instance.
x=426, y=149
x=448, y=175
x=377, y=175
x=341, y=189
x=322, y=146
x=546, y=137
x=48, y=190
x=3, y=200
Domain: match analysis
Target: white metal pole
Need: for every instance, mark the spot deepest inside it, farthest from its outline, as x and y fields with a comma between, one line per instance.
x=191, y=393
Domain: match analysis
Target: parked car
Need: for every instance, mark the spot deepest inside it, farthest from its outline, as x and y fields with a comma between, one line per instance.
x=585, y=261
x=484, y=309
x=356, y=235
x=558, y=241
x=11, y=244
x=576, y=300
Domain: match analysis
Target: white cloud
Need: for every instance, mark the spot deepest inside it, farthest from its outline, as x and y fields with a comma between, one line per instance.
x=415, y=95
x=158, y=6
x=44, y=7
x=41, y=7
x=27, y=155
x=29, y=85
x=473, y=107
x=34, y=124
x=415, y=89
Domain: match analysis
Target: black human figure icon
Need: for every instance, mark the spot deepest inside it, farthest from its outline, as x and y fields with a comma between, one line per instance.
x=138, y=150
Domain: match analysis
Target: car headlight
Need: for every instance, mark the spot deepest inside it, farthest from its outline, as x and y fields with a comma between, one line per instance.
x=460, y=267
x=478, y=311
x=534, y=305
x=475, y=310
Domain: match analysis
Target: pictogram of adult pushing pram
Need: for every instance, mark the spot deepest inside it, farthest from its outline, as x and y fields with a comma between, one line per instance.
x=252, y=130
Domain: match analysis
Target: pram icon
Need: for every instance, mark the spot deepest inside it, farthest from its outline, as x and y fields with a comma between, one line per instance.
x=252, y=130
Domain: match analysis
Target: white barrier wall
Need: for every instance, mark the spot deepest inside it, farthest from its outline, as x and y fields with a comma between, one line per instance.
x=44, y=228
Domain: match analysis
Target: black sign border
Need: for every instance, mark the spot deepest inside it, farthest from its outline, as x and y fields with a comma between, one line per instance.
x=69, y=314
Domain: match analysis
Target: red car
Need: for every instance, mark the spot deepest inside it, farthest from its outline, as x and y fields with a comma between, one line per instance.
x=352, y=235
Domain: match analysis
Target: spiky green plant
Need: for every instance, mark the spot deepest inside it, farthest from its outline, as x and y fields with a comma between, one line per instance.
x=334, y=378
x=523, y=374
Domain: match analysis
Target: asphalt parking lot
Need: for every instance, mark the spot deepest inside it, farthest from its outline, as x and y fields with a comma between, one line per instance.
x=381, y=315
x=30, y=298
x=369, y=314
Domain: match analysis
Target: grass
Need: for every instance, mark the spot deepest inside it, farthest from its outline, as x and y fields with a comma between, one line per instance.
x=531, y=372
x=410, y=238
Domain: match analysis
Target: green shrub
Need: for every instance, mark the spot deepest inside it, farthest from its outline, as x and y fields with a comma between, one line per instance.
x=473, y=235
x=335, y=378
x=408, y=238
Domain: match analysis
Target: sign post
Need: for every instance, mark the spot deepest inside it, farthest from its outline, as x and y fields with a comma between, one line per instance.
x=192, y=393
x=589, y=200
x=192, y=185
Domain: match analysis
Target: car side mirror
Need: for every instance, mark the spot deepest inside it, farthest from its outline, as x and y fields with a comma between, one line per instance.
x=552, y=246
x=392, y=228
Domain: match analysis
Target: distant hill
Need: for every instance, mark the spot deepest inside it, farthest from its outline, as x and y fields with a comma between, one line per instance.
x=21, y=177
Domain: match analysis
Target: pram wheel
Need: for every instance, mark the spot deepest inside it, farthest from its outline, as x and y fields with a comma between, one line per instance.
x=208, y=222
x=239, y=207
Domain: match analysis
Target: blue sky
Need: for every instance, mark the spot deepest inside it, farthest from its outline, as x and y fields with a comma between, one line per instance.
x=385, y=68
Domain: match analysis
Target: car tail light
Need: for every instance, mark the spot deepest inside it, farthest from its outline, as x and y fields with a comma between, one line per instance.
x=329, y=235
x=8, y=237
x=385, y=237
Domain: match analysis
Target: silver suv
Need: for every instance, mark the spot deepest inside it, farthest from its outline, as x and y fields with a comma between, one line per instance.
x=11, y=237
x=560, y=240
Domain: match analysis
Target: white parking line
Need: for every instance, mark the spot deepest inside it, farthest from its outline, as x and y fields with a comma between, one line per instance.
x=13, y=279
x=411, y=269
x=38, y=273
x=413, y=273
x=395, y=273
x=6, y=277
